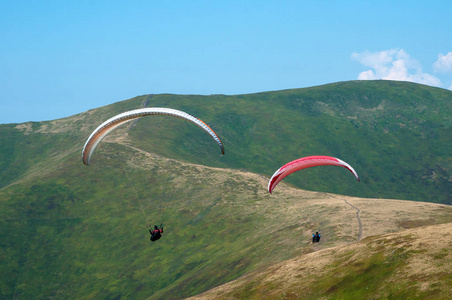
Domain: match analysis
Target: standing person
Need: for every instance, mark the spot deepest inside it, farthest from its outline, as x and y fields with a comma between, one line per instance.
x=316, y=237
x=156, y=233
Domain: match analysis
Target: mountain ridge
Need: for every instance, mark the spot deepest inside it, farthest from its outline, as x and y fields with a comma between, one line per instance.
x=397, y=135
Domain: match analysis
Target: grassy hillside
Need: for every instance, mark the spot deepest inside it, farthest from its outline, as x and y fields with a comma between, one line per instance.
x=81, y=233
x=411, y=264
x=71, y=231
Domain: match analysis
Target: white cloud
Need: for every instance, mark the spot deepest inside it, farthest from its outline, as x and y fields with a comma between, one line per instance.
x=444, y=63
x=393, y=64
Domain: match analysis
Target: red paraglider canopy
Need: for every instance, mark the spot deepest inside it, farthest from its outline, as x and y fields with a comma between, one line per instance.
x=306, y=162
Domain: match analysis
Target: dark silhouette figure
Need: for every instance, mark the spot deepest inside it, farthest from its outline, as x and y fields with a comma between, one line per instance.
x=156, y=233
x=316, y=237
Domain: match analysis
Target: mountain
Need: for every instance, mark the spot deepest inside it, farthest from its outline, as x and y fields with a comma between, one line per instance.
x=397, y=136
x=72, y=231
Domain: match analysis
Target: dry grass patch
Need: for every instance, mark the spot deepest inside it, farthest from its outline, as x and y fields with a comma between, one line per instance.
x=412, y=264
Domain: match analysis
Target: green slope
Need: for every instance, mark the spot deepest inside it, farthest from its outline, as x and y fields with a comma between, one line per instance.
x=79, y=232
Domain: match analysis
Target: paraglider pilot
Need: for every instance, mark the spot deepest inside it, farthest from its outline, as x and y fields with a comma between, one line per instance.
x=316, y=237
x=156, y=233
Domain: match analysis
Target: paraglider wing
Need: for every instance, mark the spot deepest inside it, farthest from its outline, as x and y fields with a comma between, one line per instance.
x=105, y=128
x=306, y=162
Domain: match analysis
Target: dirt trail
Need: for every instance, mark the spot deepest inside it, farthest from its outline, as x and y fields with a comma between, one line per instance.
x=146, y=101
x=143, y=105
x=360, y=225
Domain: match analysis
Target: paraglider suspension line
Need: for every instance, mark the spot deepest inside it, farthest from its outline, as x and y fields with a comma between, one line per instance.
x=298, y=213
x=136, y=195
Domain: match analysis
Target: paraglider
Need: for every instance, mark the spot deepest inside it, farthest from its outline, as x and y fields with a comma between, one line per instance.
x=156, y=233
x=105, y=128
x=306, y=162
x=316, y=237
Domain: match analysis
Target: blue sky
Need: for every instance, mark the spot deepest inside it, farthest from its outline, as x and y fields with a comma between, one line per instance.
x=60, y=58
